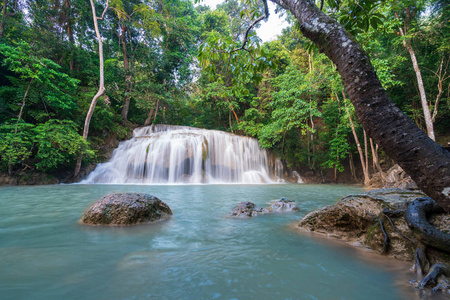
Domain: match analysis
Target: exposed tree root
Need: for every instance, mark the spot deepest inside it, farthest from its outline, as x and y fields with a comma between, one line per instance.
x=421, y=263
x=435, y=272
x=416, y=218
x=386, y=238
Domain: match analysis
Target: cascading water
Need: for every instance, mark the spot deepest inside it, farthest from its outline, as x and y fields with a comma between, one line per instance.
x=178, y=154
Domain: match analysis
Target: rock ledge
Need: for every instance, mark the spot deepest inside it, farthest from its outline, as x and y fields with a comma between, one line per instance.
x=356, y=220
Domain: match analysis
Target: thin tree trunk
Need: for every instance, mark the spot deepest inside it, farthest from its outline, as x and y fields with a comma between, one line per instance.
x=336, y=134
x=234, y=113
x=101, y=88
x=424, y=160
x=364, y=160
x=2, y=24
x=126, y=67
x=312, y=127
x=156, y=111
x=423, y=96
x=229, y=120
x=149, y=117
x=308, y=145
x=441, y=78
x=23, y=105
x=366, y=153
x=70, y=34
x=376, y=162
x=352, y=167
x=360, y=151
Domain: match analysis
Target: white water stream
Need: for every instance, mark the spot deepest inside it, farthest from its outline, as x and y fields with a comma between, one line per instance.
x=177, y=154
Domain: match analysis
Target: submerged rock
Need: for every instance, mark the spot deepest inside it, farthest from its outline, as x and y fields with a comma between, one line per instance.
x=247, y=209
x=283, y=205
x=126, y=209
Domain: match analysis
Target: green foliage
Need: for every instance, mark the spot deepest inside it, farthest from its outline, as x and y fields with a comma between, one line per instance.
x=48, y=147
x=223, y=55
x=59, y=144
x=55, y=88
x=337, y=146
x=357, y=16
x=292, y=106
x=16, y=144
x=169, y=55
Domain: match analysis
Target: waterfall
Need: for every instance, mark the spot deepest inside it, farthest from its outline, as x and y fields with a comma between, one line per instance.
x=177, y=154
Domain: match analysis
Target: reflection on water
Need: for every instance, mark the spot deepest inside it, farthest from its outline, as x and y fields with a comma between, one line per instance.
x=200, y=253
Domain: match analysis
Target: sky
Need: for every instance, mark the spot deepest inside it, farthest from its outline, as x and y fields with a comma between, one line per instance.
x=268, y=30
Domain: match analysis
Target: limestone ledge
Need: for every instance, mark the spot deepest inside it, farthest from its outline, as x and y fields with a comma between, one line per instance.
x=355, y=219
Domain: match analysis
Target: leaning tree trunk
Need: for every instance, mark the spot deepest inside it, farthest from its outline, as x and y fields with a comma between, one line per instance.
x=424, y=160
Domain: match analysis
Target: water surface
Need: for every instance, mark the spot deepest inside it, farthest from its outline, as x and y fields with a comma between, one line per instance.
x=200, y=253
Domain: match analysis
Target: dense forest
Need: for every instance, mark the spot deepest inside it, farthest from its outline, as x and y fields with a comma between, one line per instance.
x=176, y=62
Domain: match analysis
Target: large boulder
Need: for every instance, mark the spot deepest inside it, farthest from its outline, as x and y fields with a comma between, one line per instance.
x=356, y=219
x=395, y=177
x=126, y=209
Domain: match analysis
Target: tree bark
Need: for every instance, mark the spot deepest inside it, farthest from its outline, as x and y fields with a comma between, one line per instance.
x=424, y=160
x=126, y=67
x=101, y=87
x=68, y=16
x=2, y=24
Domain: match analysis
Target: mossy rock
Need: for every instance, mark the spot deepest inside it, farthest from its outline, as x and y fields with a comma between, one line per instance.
x=123, y=209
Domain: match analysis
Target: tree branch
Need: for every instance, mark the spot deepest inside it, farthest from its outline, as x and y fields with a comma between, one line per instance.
x=104, y=11
x=264, y=16
x=23, y=104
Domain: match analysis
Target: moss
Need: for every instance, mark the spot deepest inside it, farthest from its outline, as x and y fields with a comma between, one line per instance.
x=371, y=232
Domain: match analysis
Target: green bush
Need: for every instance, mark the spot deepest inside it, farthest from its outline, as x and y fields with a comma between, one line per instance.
x=59, y=145
x=16, y=144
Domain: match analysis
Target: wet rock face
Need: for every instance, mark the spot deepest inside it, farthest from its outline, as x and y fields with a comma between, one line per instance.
x=126, y=209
